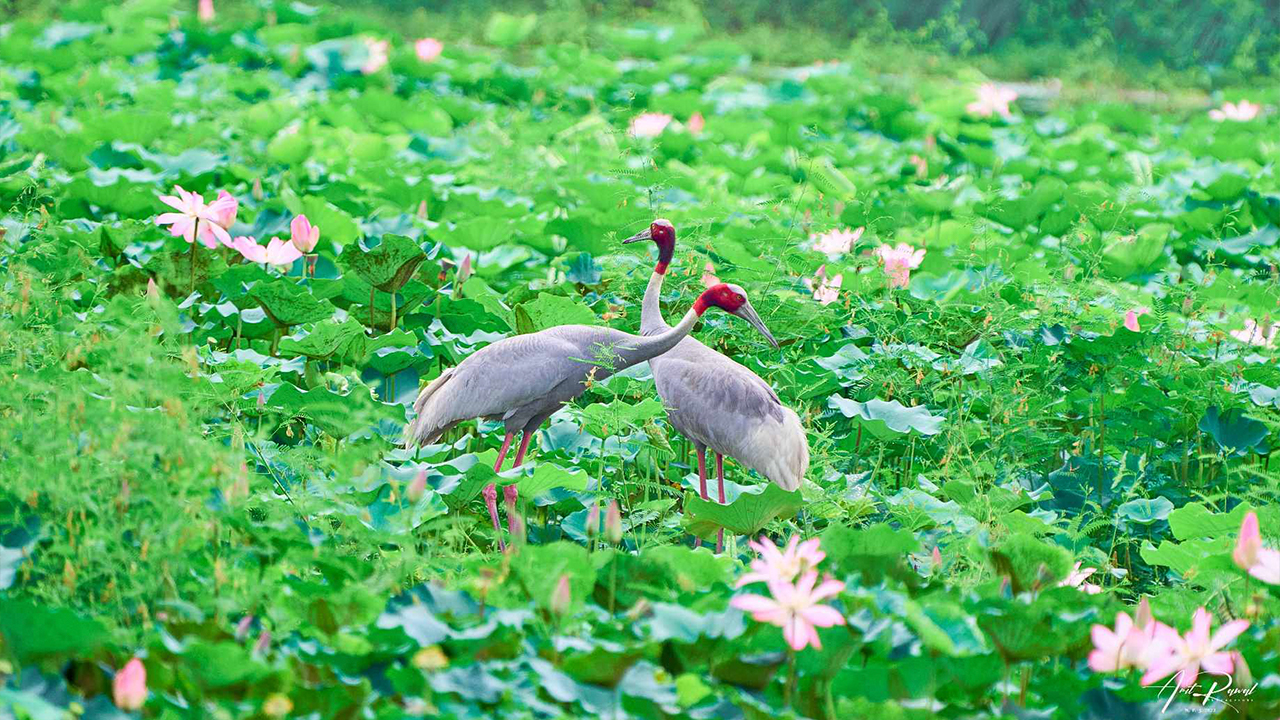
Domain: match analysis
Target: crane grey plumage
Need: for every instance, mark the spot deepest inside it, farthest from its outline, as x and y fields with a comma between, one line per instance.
x=522, y=380
x=716, y=402
x=720, y=404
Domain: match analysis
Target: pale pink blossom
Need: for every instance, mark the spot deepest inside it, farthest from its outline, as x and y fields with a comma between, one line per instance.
x=418, y=487
x=1131, y=319
x=899, y=262
x=561, y=597
x=204, y=10
x=649, y=124
x=1134, y=643
x=613, y=523
x=709, y=275
x=277, y=252
x=795, y=608
x=696, y=123
x=992, y=99
x=1242, y=111
x=192, y=212
x=785, y=565
x=303, y=234
x=375, y=55
x=836, y=241
x=223, y=210
x=428, y=49
x=129, y=688
x=1261, y=562
x=1253, y=334
x=1077, y=577
x=1196, y=650
x=825, y=290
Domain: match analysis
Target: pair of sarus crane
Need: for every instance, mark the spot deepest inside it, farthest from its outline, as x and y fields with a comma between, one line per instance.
x=714, y=401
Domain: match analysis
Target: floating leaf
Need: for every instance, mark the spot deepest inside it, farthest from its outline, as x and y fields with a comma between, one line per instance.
x=388, y=266
x=746, y=515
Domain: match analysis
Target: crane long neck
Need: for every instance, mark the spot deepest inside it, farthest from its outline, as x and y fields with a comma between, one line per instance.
x=651, y=320
x=648, y=347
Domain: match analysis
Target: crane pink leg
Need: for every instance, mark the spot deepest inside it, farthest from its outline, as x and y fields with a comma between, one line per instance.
x=491, y=491
x=502, y=454
x=524, y=445
x=720, y=481
x=702, y=482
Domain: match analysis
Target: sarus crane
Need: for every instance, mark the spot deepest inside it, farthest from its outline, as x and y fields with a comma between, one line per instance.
x=522, y=380
x=716, y=402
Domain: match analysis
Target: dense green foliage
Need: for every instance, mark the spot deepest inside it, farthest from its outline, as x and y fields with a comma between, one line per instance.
x=208, y=476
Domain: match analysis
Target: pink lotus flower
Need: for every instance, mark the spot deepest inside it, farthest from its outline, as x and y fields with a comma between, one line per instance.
x=1131, y=319
x=1249, y=554
x=1253, y=334
x=649, y=124
x=303, y=234
x=696, y=123
x=825, y=290
x=375, y=55
x=192, y=212
x=1132, y=644
x=613, y=523
x=899, y=262
x=428, y=49
x=129, y=688
x=418, y=487
x=277, y=252
x=795, y=608
x=204, y=10
x=1195, y=650
x=223, y=210
x=836, y=241
x=709, y=276
x=1243, y=111
x=776, y=565
x=561, y=597
x=992, y=99
x=1076, y=579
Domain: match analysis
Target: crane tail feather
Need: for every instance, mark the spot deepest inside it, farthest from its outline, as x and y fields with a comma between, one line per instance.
x=426, y=427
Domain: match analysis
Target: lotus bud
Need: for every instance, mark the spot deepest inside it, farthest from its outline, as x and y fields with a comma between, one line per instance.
x=242, y=627
x=936, y=556
x=129, y=688
x=561, y=597
x=422, y=210
x=418, y=487
x=257, y=190
x=153, y=291
x=593, y=520
x=204, y=10
x=613, y=523
x=1143, y=617
x=304, y=234
x=264, y=642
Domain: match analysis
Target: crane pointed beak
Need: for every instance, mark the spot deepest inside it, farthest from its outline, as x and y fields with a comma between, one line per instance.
x=642, y=235
x=748, y=313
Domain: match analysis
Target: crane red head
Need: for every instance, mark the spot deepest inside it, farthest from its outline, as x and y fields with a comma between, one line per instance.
x=663, y=234
x=733, y=300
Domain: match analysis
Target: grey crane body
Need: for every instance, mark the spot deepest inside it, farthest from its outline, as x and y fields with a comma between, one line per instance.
x=522, y=380
x=720, y=404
